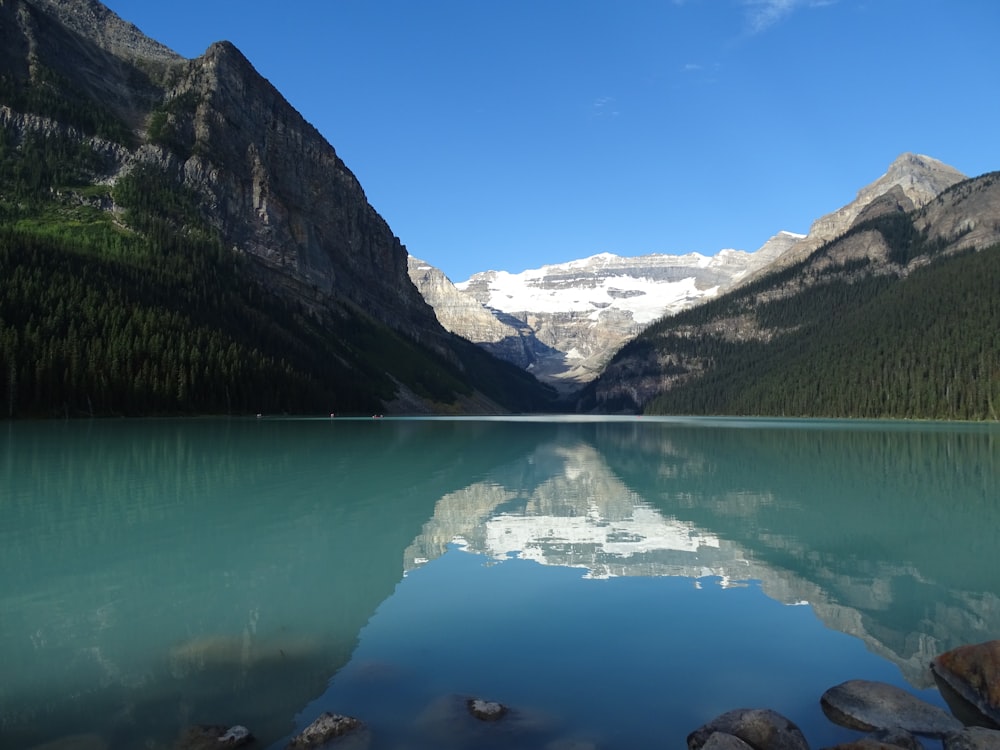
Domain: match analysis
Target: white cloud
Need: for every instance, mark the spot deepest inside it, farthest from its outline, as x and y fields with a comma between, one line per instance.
x=763, y=14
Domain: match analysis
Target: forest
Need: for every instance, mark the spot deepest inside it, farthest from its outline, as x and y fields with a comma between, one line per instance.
x=140, y=310
x=926, y=346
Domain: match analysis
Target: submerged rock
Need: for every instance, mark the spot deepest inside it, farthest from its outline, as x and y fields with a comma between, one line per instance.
x=486, y=710
x=235, y=736
x=866, y=705
x=213, y=737
x=761, y=728
x=326, y=728
x=75, y=742
x=972, y=674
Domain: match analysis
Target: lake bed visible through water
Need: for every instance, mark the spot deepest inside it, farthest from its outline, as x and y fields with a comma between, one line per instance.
x=616, y=582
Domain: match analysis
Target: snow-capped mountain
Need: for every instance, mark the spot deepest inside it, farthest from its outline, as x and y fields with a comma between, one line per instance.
x=562, y=322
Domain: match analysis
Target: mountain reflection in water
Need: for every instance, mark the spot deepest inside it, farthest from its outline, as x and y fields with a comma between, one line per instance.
x=164, y=573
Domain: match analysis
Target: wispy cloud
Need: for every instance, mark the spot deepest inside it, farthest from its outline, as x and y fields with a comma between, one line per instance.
x=604, y=106
x=762, y=14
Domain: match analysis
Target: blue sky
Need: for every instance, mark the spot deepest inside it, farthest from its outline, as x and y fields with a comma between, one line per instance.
x=506, y=135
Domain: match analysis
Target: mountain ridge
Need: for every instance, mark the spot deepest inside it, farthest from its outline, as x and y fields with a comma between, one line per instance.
x=564, y=321
x=98, y=115
x=893, y=318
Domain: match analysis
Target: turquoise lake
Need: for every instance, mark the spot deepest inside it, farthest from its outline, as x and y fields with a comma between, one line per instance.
x=616, y=582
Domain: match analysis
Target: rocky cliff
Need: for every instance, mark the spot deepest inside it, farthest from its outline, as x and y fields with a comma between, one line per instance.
x=268, y=181
x=563, y=322
x=265, y=182
x=911, y=181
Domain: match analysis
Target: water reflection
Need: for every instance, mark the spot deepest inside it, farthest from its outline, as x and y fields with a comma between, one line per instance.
x=158, y=574
x=887, y=530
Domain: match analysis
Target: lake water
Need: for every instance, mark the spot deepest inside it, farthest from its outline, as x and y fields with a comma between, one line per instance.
x=616, y=582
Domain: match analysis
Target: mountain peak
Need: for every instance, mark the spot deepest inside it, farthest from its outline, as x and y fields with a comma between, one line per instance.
x=93, y=20
x=921, y=177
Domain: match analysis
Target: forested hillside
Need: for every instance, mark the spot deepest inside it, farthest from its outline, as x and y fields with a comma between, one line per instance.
x=894, y=319
x=927, y=347
x=151, y=315
x=145, y=271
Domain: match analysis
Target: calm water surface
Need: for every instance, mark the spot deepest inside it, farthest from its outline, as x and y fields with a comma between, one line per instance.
x=616, y=582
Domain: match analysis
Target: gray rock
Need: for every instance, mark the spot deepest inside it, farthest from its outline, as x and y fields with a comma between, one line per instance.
x=235, y=736
x=760, y=728
x=973, y=738
x=971, y=674
x=884, y=739
x=486, y=710
x=723, y=741
x=866, y=705
x=327, y=727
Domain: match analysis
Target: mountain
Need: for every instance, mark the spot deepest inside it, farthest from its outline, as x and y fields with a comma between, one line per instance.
x=895, y=317
x=191, y=193
x=563, y=322
x=911, y=181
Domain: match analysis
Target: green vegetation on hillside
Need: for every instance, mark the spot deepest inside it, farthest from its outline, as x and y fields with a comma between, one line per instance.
x=147, y=313
x=50, y=95
x=926, y=346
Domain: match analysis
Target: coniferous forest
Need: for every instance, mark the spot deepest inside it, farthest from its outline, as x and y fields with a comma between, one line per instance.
x=923, y=347
x=141, y=311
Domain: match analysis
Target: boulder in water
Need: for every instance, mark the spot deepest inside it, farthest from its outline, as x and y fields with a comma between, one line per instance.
x=867, y=705
x=969, y=679
x=761, y=728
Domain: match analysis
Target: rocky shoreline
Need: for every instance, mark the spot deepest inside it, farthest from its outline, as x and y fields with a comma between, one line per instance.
x=888, y=717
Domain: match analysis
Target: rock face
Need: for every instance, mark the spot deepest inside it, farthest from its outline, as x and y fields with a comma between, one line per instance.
x=971, y=674
x=867, y=706
x=563, y=322
x=271, y=187
x=460, y=313
x=912, y=180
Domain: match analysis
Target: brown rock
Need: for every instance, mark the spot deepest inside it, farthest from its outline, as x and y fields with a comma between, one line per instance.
x=973, y=673
x=866, y=705
x=760, y=728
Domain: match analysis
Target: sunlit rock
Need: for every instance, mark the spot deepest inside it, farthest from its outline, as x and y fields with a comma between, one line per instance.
x=761, y=728
x=969, y=677
x=867, y=705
